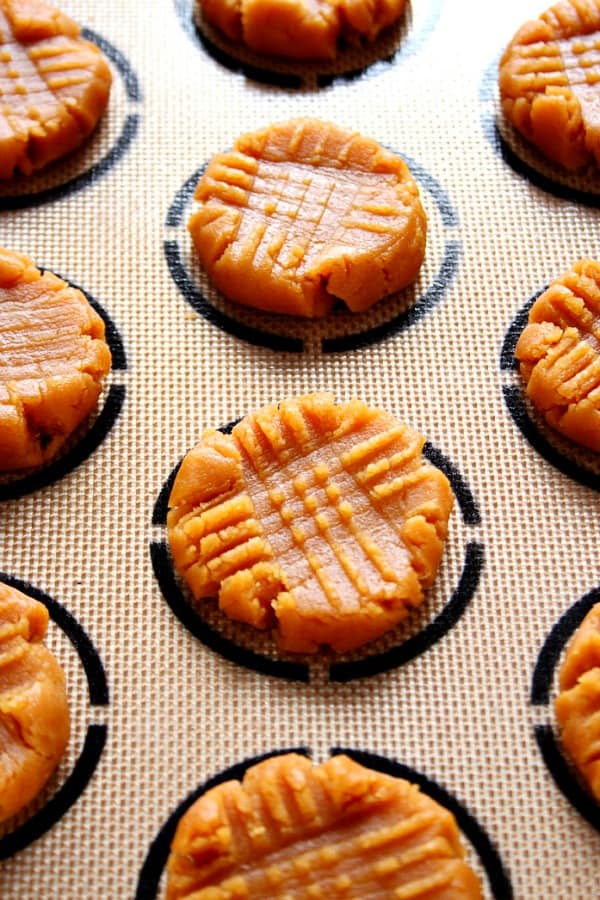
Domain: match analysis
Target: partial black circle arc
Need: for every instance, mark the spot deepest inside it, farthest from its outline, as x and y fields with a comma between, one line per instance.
x=493, y=134
x=292, y=78
x=514, y=398
x=464, y=495
x=161, y=505
x=85, y=766
x=430, y=298
x=496, y=872
x=429, y=635
x=563, y=776
x=114, y=155
x=156, y=858
x=88, y=655
x=375, y=664
x=101, y=426
x=191, y=620
x=560, y=769
x=555, y=643
x=63, y=800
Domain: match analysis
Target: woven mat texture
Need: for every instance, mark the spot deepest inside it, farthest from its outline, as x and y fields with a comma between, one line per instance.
x=524, y=543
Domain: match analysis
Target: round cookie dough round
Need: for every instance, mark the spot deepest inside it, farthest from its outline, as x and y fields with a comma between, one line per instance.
x=304, y=213
x=55, y=86
x=322, y=520
x=578, y=704
x=549, y=81
x=295, y=830
x=559, y=354
x=299, y=29
x=34, y=715
x=52, y=363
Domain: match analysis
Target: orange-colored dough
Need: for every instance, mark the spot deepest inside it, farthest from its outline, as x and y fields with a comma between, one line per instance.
x=578, y=704
x=54, y=86
x=300, y=29
x=53, y=357
x=550, y=82
x=319, y=518
x=304, y=212
x=294, y=831
x=559, y=354
x=34, y=715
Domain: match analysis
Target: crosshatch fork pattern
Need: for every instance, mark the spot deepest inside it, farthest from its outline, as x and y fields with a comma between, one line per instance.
x=181, y=712
x=295, y=195
x=329, y=516
x=300, y=203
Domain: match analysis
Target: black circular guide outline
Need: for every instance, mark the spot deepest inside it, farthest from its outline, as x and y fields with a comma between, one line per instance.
x=116, y=152
x=226, y=322
x=496, y=140
x=341, y=672
x=101, y=427
x=290, y=78
x=497, y=875
x=83, y=770
x=560, y=768
x=514, y=398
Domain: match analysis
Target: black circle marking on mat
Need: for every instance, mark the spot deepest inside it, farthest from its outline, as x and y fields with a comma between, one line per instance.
x=90, y=659
x=189, y=618
x=494, y=137
x=429, y=635
x=161, y=506
x=375, y=664
x=498, y=877
x=116, y=152
x=508, y=360
x=561, y=770
x=64, y=798
x=85, y=766
x=463, y=493
x=289, y=344
x=101, y=427
x=121, y=63
x=514, y=399
x=541, y=682
x=156, y=858
x=408, y=46
x=564, y=777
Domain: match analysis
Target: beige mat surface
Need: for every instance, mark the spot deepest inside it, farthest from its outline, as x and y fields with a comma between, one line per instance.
x=164, y=700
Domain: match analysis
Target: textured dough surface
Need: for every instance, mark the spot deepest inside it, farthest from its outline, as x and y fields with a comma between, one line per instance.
x=53, y=358
x=559, y=354
x=34, y=716
x=549, y=81
x=300, y=29
x=302, y=213
x=319, y=518
x=54, y=86
x=578, y=704
x=294, y=831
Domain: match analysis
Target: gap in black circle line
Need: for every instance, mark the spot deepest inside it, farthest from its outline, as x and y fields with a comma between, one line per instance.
x=337, y=332
x=574, y=461
x=495, y=871
x=91, y=433
x=62, y=798
x=546, y=735
x=397, y=43
x=524, y=159
x=237, y=642
x=76, y=171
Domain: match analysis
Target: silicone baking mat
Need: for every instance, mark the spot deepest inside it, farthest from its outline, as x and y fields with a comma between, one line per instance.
x=166, y=699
